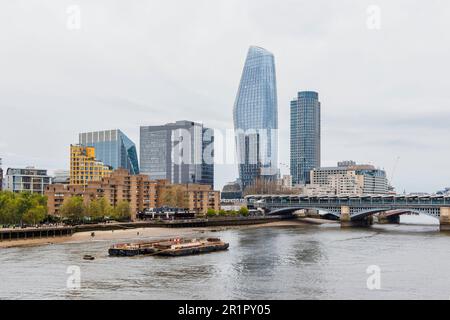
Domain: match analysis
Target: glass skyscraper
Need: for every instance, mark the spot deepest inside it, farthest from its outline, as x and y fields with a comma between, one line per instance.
x=180, y=152
x=256, y=118
x=113, y=148
x=305, y=136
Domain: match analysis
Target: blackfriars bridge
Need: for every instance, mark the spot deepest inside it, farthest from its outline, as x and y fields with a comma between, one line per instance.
x=357, y=210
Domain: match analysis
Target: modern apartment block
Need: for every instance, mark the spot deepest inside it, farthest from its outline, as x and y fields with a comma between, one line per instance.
x=255, y=115
x=305, y=136
x=180, y=152
x=350, y=178
x=26, y=180
x=84, y=167
x=113, y=148
x=138, y=190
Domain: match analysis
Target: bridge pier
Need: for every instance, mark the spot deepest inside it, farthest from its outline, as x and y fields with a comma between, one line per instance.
x=444, y=219
x=346, y=221
x=389, y=219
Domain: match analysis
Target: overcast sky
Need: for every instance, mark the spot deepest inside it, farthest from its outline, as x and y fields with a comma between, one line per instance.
x=385, y=92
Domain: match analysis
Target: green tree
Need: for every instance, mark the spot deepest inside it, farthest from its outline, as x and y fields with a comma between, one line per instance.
x=122, y=211
x=15, y=207
x=174, y=196
x=8, y=209
x=73, y=209
x=211, y=212
x=243, y=211
x=35, y=215
x=222, y=212
x=98, y=209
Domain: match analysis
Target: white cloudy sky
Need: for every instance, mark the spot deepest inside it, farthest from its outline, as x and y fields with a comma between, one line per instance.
x=385, y=93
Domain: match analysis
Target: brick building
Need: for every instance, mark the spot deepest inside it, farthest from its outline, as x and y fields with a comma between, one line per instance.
x=138, y=190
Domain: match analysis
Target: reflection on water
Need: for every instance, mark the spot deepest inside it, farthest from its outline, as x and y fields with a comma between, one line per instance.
x=301, y=262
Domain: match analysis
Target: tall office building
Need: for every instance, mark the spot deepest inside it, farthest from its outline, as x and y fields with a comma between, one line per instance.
x=180, y=152
x=255, y=116
x=305, y=136
x=84, y=167
x=113, y=148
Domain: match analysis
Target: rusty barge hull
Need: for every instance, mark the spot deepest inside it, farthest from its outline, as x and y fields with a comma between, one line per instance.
x=194, y=250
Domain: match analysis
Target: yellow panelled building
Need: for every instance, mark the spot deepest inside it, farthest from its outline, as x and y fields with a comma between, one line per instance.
x=84, y=167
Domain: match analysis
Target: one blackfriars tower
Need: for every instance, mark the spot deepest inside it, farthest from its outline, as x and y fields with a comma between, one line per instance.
x=305, y=136
x=256, y=118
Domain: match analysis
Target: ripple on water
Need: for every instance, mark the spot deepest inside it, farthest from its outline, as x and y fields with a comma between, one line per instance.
x=262, y=263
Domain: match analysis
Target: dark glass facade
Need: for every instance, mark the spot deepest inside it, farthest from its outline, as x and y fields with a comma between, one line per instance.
x=180, y=152
x=256, y=118
x=305, y=136
x=113, y=148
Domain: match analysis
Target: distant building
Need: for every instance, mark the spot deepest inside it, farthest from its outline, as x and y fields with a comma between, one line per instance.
x=180, y=152
x=26, y=180
x=199, y=197
x=231, y=191
x=305, y=136
x=113, y=148
x=349, y=178
x=446, y=191
x=84, y=167
x=138, y=190
x=286, y=181
x=312, y=190
x=255, y=115
x=61, y=177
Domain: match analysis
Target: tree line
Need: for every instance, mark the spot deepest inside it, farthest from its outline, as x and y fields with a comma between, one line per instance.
x=22, y=208
x=26, y=208
x=74, y=209
x=243, y=211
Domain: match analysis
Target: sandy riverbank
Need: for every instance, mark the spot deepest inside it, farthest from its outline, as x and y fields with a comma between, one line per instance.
x=124, y=235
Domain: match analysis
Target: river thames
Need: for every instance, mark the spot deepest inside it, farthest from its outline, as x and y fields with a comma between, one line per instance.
x=294, y=262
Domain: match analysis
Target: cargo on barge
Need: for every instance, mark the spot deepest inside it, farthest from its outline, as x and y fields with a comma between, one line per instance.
x=132, y=249
x=170, y=247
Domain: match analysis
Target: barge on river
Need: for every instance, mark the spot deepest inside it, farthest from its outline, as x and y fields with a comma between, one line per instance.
x=170, y=247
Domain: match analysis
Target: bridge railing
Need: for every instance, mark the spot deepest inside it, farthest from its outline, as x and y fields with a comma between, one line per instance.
x=353, y=201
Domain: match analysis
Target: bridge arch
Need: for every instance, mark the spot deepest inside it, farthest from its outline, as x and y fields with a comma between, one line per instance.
x=363, y=214
x=290, y=210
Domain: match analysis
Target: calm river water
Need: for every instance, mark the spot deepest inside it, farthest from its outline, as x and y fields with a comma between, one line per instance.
x=300, y=262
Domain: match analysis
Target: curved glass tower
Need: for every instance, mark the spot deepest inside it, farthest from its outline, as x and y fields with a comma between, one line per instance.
x=256, y=118
x=113, y=148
